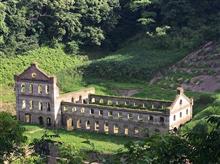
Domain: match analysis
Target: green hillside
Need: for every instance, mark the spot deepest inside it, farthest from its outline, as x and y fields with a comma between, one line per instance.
x=128, y=68
x=138, y=59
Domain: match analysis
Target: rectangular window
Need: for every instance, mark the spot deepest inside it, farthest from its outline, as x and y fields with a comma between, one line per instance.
x=31, y=104
x=110, y=113
x=47, y=89
x=31, y=88
x=129, y=116
x=140, y=118
x=180, y=114
x=187, y=111
x=101, y=112
x=162, y=119
x=91, y=111
x=174, y=117
x=40, y=89
x=119, y=115
x=23, y=104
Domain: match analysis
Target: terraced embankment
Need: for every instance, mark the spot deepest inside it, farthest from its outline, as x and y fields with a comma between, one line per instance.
x=198, y=71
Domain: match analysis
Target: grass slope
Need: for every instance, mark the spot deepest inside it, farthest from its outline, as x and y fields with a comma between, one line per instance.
x=103, y=143
x=138, y=59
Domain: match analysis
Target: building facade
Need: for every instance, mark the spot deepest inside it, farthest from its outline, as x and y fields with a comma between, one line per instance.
x=38, y=101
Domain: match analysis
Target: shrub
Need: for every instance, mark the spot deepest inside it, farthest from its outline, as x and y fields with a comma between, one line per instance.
x=72, y=47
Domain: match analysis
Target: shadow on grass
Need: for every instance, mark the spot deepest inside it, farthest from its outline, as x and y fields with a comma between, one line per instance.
x=95, y=136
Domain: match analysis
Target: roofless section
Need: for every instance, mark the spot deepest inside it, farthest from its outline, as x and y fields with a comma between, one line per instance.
x=129, y=102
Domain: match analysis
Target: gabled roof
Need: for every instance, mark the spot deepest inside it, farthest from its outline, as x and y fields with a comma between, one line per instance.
x=33, y=73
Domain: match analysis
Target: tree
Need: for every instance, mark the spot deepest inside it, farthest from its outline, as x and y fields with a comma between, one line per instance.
x=199, y=145
x=11, y=138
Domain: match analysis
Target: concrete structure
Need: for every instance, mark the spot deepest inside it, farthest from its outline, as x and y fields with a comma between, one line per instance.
x=38, y=101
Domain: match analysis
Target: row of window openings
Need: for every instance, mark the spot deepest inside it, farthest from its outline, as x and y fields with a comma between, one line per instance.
x=106, y=127
x=109, y=102
x=40, y=105
x=110, y=114
x=28, y=119
x=39, y=88
x=180, y=114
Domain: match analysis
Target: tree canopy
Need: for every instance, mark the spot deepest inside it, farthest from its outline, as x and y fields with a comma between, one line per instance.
x=11, y=137
x=27, y=24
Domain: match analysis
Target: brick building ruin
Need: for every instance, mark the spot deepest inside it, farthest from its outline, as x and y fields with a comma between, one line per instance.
x=38, y=101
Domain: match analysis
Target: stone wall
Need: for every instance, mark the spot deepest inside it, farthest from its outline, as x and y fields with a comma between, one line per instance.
x=129, y=102
x=121, y=121
x=77, y=96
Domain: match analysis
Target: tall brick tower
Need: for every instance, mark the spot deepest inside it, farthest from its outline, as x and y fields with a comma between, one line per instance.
x=36, y=94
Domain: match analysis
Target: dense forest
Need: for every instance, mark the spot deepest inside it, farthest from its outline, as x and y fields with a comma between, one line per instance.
x=84, y=24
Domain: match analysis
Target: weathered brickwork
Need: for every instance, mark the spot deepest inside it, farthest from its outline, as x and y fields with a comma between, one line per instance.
x=38, y=101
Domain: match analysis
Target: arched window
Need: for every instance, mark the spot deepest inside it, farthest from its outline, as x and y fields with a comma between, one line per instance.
x=109, y=102
x=74, y=109
x=116, y=129
x=151, y=118
x=23, y=104
x=79, y=123
x=27, y=118
x=48, y=121
x=65, y=109
x=82, y=110
x=106, y=128
x=162, y=119
x=48, y=107
x=40, y=106
x=96, y=126
x=40, y=89
x=31, y=88
x=47, y=90
x=101, y=101
x=136, y=131
x=41, y=120
x=93, y=100
x=22, y=87
x=126, y=131
x=30, y=104
x=87, y=124
x=69, y=124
